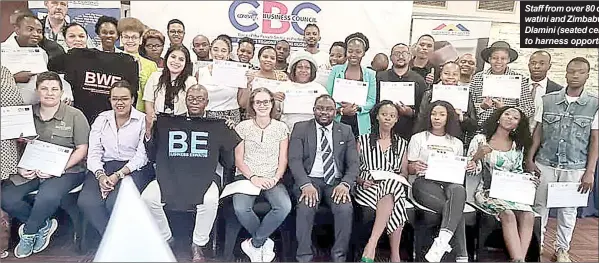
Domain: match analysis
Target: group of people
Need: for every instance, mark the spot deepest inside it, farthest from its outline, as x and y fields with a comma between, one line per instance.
x=329, y=155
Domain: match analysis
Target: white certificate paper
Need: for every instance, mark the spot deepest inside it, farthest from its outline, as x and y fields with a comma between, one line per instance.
x=502, y=86
x=45, y=157
x=444, y=167
x=351, y=91
x=17, y=120
x=398, y=92
x=322, y=76
x=201, y=64
x=240, y=187
x=457, y=95
x=230, y=73
x=24, y=59
x=378, y=175
x=270, y=84
x=513, y=187
x=299, y=101
x=566, y=195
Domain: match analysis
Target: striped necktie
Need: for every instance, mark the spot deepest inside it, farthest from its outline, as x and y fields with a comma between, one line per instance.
x=327, y=157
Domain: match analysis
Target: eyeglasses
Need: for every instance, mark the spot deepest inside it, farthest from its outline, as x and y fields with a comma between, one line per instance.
x=157, y=46
x=134, y=38
x=262, y=102
x=115, y=99
x=196, y=99
x=176, y=32
x=324, y=109
x=401, y=54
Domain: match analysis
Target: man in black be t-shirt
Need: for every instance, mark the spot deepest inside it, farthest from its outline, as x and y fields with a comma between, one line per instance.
x=186, y=150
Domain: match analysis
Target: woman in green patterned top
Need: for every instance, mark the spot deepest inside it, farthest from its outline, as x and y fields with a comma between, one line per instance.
x=501, y=147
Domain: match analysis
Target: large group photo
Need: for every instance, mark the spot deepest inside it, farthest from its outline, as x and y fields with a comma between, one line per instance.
x=289, y=131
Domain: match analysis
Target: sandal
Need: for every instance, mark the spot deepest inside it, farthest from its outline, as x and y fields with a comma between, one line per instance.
x=365, y=259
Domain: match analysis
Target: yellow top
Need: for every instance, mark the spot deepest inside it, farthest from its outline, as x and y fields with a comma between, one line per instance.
x=146, y=68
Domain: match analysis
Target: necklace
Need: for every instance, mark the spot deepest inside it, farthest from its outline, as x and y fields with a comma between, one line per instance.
x=262, y=129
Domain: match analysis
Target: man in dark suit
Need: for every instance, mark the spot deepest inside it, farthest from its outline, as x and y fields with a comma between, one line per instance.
x=539, y=64
x=323, y=159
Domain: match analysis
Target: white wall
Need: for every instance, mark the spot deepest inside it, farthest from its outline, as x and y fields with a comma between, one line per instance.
x=467, y=9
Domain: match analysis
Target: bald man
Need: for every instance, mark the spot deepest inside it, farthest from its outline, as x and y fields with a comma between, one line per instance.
x=380, y=62
x=467, y=63
x=201, y=47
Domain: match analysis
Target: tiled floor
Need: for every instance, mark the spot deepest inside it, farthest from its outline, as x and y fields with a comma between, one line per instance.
x=584, y=247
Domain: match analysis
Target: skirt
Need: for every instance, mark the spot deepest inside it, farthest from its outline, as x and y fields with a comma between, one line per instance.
x=371, y=195
x=495, y=206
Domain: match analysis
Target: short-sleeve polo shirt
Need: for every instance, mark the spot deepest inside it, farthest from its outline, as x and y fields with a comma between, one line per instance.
x=68, y=128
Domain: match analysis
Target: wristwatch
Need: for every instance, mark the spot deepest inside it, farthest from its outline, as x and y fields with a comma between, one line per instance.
x=99, y=173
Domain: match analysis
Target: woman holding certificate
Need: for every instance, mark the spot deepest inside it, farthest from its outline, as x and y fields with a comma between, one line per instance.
x=383, y=150
x=450, y=75
x=267, y=56
x=224, y=101
x=116, y=150
x=354, y=112
x=501, y=146
x=56, y=124
x=439, y=130
x=165, y=91
x=302, y=73
x=261, y=157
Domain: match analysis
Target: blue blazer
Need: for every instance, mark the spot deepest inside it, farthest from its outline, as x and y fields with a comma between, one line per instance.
x=368, y=76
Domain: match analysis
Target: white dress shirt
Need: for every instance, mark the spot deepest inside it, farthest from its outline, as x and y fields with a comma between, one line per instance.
x=538, y=97
x=318, y=166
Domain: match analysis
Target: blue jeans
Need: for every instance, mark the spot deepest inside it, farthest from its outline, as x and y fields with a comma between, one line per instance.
x=47, y=201
x=280, y=204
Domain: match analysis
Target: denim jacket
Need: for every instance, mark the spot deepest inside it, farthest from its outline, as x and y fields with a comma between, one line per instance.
x=566, y=130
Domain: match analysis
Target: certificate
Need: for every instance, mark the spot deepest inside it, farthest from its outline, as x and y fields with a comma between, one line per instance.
x=378, y=175
x=398, y=92
x=513, y=187
x=299, y=101
x=240, y=187
x=446, y=167
x=351, y=91
x=565, y=195
x=270, y=84
x=230, y=73
x=502, y=86
x=457, y=95
x=322, y=76
x=201, y=64
x=17, y=121
x=45, y=157
x=18, y=59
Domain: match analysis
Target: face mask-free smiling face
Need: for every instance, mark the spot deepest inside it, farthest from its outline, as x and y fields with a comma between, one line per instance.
x=450, y=74
x=324, y=111
x=121, y=100
x=262, y=104
x=176, y=62
x=268, y=58
x=220, y=50
x=131, y=41
x=303, y=71
x=108, y=35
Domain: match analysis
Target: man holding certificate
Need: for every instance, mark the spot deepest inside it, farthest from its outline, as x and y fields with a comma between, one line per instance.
x=401, y=72
x=499, y=79
x=349, y=83
x=64, y=127
x=501, y=148
x=565, y=145
x=438, y=134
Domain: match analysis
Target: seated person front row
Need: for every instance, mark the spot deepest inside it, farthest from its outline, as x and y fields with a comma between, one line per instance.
x=321, y=154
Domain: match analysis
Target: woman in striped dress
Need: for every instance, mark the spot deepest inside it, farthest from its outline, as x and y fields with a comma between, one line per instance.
x=383, y=150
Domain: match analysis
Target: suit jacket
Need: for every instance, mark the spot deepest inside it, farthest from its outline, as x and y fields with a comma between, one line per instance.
x=552, y=86
x=302, y=152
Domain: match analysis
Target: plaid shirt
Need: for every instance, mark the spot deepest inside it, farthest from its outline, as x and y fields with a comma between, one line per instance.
x=525, y=102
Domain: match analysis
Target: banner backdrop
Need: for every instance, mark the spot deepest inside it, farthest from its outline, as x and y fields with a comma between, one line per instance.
x=85, y=13
x=454, y=37
x=269, y=21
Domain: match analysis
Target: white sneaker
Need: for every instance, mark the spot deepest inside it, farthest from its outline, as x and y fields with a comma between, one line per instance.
x=255, y=254
x=268, y=250
x=437, y=250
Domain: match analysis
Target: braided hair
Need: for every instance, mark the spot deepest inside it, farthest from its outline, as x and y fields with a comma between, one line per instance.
x=375, y=133
x=358, y=37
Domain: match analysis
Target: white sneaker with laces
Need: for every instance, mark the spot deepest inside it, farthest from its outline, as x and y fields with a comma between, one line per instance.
x=437, y=250
x=268, y=250
x=255, y=254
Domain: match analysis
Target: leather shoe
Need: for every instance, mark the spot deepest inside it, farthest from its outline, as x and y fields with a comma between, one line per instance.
x=197, y=254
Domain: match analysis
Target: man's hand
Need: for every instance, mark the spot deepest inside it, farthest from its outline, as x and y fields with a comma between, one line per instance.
x=341, y=194
x=309, y=195
x=105, y=184
x=430, y=77
x=27, y=174
x=586, y=182
x=23, y=76
x=498, y=103
x=486, y=104
x=405, y=110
